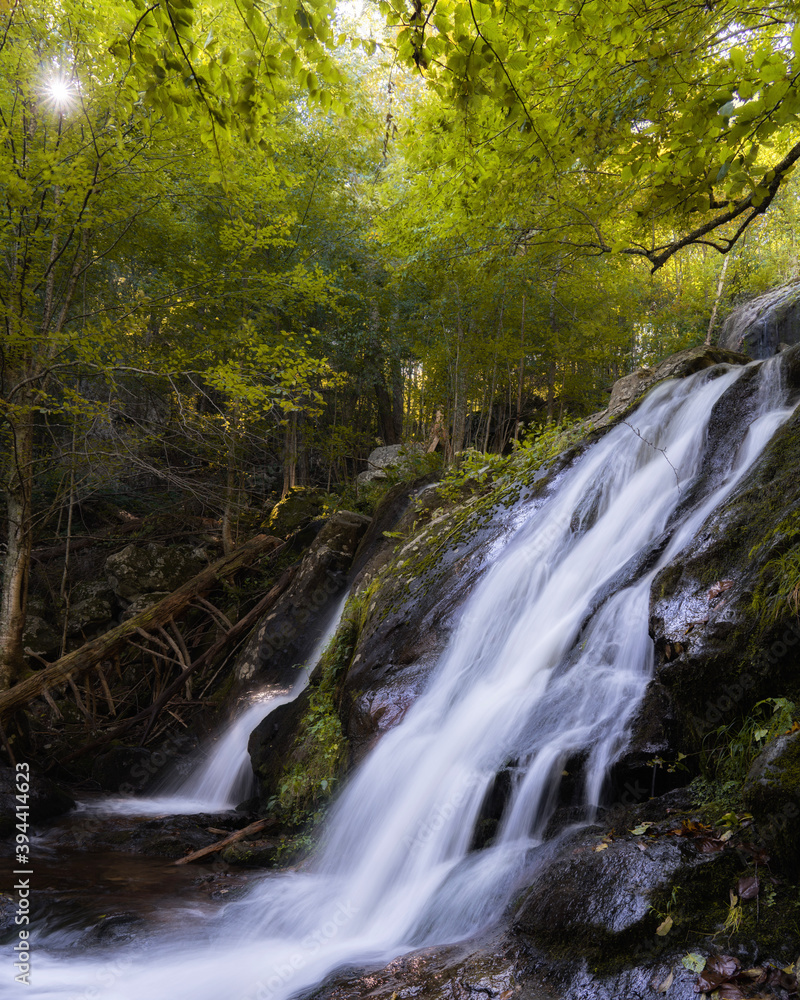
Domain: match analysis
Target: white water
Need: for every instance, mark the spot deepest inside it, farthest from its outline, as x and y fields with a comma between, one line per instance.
x=221, y=776
x=542, y=667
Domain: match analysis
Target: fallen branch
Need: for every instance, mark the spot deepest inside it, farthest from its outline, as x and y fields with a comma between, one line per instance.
x=225, y=644
x=230, y=839
x=74, y=664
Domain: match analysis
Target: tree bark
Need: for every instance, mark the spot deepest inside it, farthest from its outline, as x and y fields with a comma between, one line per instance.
x=16, y=568
x=720, y=286
x=385, y=413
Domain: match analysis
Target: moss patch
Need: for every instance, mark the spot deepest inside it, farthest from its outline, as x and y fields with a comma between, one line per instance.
x=319, y=752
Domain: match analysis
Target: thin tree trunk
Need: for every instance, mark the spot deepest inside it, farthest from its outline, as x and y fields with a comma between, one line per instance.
x=16, y=568
x=720, y=286
x=290, y=456
x=521, y=370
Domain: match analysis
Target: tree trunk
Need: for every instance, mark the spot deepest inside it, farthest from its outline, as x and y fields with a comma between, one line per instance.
x=720, y=286
x=290, y=456
x=16, y=567
x=398, y=392
x=521, y=371
x=386, y=420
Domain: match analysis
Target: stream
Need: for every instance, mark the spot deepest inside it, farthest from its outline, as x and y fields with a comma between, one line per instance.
x=548, y=664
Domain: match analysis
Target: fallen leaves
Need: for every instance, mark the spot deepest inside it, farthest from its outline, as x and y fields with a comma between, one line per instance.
x=723, y=976
x=665, y=985
x=718, y=590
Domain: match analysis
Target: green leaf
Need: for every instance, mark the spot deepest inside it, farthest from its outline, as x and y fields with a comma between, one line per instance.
x=694, y=962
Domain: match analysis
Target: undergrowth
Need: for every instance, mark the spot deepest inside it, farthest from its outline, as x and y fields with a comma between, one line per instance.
x=536, y=447
x=779, y=581
x=729, y=751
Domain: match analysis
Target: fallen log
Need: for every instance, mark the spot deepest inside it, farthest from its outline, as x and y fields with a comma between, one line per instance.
x=225, y=644
x=230, y=839
x=91, y=654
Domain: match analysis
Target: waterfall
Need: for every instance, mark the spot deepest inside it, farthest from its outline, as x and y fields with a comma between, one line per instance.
x=549, y=663
x=221, y=776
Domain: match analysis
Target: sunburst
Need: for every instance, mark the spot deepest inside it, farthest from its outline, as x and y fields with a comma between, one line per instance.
x=60, y=93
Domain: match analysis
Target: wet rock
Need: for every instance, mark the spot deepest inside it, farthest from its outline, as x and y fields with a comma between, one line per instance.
x=717, y=654
x=381, y=707
x=772, y=793
x=582, y=899
x=601, y=904
x=287, y=634
x=297, y=508
x=271, y=743
x=46, y=800
x=8, y=913
x=113, y=929
x=764, y=325
x=252, y=853
x=493, y=967
x=146, y=569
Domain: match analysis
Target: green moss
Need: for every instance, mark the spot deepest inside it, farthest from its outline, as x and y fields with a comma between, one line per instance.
x=320, y=748
x=471, y=495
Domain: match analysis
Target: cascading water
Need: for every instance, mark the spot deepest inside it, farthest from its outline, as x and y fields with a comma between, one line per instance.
x=222, y=776
x=550, y=661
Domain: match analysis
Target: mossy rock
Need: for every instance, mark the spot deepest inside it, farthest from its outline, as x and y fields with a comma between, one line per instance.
x=300, y=506
x=152, y=568
x=772, y=794
x=251, y=854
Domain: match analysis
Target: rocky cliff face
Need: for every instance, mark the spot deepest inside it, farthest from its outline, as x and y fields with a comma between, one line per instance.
x=764, y=325
x=698, y=842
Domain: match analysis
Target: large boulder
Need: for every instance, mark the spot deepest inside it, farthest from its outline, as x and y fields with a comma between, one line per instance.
x=92, y=608
x=772, y=793
x=596, y=898
x=764, y=325
x=395, y=455
x=41, y=638
x=629, y=388
x=300, y=506
x=145, y=569
x=272, y=742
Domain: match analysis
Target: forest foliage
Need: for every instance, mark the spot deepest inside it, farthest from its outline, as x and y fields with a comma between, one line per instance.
x=243, y=244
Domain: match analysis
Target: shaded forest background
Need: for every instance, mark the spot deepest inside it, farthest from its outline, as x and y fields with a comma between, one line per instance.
x=242, y=245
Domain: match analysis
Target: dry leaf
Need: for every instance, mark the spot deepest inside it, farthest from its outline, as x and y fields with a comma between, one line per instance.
x=663, y=987
x=748, y=887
